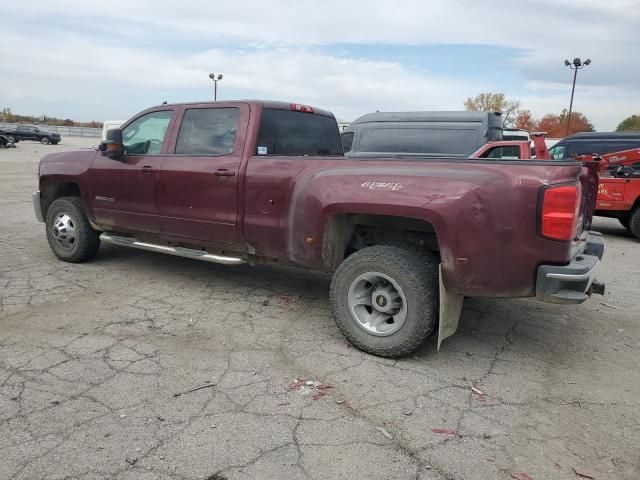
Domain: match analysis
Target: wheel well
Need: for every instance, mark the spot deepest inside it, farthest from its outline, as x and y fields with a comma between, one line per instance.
x=52, y=190
x=347, y=233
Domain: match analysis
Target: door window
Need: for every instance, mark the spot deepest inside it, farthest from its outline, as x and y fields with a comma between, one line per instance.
x=145, y=135
x=507, y=152
x=208, y=131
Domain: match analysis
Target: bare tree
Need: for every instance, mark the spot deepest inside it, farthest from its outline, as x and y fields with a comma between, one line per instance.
x=494, y=102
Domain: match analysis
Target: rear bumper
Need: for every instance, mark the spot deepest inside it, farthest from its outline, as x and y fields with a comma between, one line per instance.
x=572, y=283
x=37, y=205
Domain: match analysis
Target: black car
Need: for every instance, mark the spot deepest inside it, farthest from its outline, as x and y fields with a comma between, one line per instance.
x=588, y=143
x=31, y=132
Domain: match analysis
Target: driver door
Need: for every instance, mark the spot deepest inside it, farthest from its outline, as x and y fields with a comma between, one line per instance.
x=124, y=191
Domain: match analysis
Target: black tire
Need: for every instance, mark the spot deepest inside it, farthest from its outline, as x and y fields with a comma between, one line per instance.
x=11, y=138
x=86, y=240
x=45, y=141
x=634, y=222
x=415, y=271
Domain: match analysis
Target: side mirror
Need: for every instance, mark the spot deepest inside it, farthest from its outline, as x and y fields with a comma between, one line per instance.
x=112, y=147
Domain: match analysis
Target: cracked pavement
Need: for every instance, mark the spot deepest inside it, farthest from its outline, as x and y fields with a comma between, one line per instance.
x=99, y=365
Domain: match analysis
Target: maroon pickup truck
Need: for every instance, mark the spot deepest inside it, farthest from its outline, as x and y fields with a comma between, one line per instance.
x=406, y=239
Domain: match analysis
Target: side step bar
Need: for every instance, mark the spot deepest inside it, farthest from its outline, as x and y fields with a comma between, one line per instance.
x=177, y=251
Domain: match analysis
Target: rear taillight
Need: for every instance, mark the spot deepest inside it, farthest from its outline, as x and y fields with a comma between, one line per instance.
x=559, y=211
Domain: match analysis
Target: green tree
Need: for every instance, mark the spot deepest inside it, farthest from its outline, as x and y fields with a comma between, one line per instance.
x=629, y=124
x=494, y=102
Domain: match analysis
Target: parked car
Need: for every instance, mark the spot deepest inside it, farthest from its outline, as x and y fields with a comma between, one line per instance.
x=251, y=181
x=600, y=143
x=31, y=132
x=410, y=134
x=110, y=124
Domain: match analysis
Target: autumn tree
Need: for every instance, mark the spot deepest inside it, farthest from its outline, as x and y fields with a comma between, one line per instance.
x=556, y=125
x=525, y=121
x=494, y=102
x=629, y=124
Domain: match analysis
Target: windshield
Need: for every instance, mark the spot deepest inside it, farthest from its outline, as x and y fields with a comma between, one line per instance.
x=557, y=152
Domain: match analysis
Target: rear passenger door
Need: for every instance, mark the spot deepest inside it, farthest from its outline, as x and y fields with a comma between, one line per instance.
x=198, y=180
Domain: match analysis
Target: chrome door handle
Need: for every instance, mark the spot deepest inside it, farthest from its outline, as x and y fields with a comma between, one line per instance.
x=223, y=172
x=148, y=169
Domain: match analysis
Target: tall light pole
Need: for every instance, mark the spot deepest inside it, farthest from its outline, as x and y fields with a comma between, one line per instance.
x=215, y=79
x=575, y=66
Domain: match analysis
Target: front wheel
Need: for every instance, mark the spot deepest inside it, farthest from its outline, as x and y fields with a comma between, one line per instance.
x=45, y=140
x=11, y=138
x=385, y=298
x=69, y=232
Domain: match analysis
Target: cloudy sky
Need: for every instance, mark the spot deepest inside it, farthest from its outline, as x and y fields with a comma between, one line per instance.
x=102, y=60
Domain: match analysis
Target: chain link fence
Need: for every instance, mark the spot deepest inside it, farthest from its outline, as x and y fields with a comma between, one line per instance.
x=63, y=131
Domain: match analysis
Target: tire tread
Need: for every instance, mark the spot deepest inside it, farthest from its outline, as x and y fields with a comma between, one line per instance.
x=88, y=238
x=421, y=269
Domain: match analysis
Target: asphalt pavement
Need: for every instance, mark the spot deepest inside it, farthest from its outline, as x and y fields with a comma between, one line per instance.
x=143, y=366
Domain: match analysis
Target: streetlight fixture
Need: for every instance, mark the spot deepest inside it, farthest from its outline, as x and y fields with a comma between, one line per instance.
x=575, y=66
x=215, y=79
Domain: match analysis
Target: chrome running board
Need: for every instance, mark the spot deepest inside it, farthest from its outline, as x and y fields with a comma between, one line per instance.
x=177, y=251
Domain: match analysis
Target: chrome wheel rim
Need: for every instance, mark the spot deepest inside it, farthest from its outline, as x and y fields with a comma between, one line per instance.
x=45, y=141
x=377, y=303
x=64, y=231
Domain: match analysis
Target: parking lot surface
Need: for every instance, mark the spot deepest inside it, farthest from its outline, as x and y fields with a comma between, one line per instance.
x=143, y=366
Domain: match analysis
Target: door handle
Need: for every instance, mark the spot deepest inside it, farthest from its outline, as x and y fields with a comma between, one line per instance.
x=223, y=172
x=148, y=169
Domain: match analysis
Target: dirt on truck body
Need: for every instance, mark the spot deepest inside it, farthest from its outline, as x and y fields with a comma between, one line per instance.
x=406, y=239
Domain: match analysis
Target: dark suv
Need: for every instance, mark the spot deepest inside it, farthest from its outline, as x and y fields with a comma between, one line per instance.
x=587, y=143
x=31, y=132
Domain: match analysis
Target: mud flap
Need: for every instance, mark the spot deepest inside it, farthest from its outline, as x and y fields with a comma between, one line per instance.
x=450, y=309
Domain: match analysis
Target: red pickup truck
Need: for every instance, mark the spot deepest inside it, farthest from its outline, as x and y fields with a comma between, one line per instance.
x=406, y=239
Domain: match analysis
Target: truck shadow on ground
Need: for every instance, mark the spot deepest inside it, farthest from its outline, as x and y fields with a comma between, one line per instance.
x=487, y=326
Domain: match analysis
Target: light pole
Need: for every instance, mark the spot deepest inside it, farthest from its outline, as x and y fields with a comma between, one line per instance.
x=215, y=79
x=575, y=66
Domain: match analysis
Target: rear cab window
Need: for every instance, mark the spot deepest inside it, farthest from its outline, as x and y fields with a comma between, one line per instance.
x=288, y=132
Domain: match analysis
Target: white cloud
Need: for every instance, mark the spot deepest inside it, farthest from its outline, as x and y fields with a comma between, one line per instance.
x=106, y=52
